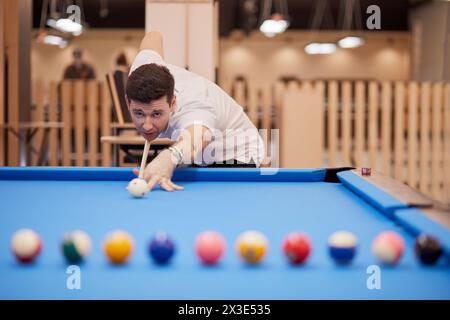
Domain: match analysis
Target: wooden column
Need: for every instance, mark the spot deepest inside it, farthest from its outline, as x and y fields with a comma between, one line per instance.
x=302, y=129
x=190, y=35
x=2, y=84
x=17, y=37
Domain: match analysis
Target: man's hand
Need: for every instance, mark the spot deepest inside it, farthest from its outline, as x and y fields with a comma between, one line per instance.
x=160, y=171
x=193, y=140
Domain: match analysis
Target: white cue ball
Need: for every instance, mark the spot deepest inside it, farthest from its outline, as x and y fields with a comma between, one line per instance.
x=137, y=187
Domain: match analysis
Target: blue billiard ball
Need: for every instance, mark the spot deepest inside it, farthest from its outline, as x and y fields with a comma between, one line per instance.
x=161, y=248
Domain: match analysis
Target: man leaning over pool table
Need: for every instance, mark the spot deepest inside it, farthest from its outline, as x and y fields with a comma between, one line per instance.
x=209, y=128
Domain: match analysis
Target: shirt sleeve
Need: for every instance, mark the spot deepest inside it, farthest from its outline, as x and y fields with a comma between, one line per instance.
x=146, y=57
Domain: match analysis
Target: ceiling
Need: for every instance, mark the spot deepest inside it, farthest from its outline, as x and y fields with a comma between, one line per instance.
x=117, y=13
x=244, y=14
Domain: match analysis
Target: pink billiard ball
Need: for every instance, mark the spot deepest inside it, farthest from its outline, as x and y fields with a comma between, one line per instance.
x=210, y=247
x=388, y=247
x=297, y=247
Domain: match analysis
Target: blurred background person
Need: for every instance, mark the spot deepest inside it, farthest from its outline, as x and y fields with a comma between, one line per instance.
x=79, y=69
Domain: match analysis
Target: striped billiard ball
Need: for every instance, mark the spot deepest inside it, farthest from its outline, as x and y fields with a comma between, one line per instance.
x=26, y=245
x=342, y=246
x=76, y=246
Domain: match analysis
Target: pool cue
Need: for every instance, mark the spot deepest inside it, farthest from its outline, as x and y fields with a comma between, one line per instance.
x=144, y=159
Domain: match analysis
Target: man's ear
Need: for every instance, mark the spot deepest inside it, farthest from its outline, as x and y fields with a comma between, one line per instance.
x=173, y=104
x=126, y=100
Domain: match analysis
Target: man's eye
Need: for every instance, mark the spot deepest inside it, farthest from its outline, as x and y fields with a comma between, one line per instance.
x=156, y=114
x=139, y=114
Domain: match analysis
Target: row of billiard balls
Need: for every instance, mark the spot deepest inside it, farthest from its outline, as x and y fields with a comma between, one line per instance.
x=210, y=246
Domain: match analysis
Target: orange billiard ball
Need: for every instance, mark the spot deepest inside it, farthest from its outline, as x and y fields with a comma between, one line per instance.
x=118, y=246
x=252, y=246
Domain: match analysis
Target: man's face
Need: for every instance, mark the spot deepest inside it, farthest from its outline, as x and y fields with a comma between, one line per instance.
x=151, y=118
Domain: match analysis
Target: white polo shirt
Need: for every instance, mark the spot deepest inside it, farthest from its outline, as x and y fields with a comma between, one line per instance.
x=200, y=101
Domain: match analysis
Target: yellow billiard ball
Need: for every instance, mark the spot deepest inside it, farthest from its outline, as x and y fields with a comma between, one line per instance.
x=118, y=246
x=252, y=246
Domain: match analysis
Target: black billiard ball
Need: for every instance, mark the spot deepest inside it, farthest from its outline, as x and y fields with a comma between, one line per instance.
x=428, y=249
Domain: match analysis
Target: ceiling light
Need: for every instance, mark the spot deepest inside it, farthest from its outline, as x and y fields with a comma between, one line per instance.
x=276, y=24
x=55, y=41
x=351, y=42
x=320, y=48
x=67, y=25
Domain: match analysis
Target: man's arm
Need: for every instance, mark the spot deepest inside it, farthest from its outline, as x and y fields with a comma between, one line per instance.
x=193, y=141
x=153, y=41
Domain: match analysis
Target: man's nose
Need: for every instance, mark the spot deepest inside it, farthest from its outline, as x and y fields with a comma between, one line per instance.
x=148, y=125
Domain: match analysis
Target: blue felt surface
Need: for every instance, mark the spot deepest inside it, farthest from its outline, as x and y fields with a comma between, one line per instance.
x=275, y=208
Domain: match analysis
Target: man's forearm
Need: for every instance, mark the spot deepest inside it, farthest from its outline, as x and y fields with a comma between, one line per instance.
x=192, y=142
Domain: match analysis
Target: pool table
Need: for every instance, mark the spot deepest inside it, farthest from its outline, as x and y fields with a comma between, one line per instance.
x=318, y=202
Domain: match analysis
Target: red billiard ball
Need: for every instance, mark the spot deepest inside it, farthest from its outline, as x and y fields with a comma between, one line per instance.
x=428, y=249
x=210, y=247
x=297, y=247
x=366, y=171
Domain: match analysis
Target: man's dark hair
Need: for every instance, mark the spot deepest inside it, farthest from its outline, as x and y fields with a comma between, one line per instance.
x=150, y=82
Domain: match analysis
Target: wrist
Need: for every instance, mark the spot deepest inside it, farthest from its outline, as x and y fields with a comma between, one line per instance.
x=176, y=154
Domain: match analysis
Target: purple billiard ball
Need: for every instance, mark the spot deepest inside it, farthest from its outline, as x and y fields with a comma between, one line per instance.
x=161, y=248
